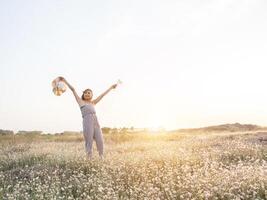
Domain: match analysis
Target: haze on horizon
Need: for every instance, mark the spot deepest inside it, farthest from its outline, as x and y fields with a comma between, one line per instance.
x=183, y=64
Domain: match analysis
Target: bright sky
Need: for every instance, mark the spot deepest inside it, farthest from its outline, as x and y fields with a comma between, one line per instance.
x=183, y=63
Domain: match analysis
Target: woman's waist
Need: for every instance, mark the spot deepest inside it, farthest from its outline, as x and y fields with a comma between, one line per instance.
x=90, y=118
x=93, y=114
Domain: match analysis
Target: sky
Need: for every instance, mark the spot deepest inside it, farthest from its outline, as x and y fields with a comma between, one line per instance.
x=183, y=64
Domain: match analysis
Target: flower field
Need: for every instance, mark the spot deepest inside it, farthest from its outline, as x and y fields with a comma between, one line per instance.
x=136, y=166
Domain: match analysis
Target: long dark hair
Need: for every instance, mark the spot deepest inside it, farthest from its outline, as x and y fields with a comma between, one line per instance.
x=85, y=91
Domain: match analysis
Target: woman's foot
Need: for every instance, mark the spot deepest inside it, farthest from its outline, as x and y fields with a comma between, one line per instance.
x=89, y=156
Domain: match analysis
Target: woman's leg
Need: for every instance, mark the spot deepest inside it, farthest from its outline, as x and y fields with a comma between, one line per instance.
x=99, y=141
x=88, y=133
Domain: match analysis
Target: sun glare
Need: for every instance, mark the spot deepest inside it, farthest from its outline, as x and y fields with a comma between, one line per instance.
x=156, y=129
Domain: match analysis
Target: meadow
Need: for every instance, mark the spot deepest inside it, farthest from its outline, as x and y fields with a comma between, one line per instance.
x=228, y=165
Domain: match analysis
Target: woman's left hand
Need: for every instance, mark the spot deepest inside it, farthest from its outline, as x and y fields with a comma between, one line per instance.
x=113, y=86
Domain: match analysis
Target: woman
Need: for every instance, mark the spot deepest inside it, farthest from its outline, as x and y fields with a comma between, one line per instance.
x=91, y=127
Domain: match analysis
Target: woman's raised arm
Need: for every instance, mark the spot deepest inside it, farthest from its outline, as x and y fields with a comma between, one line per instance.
x=103, y=94
x=78, y=99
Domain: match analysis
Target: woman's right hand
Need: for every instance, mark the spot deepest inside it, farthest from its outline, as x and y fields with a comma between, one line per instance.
x=62, y=78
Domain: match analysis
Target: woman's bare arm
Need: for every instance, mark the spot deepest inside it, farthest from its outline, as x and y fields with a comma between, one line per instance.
x=78, y=99
x=103, y=94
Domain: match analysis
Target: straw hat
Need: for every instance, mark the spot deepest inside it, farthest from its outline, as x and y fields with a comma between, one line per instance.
x=59, y=87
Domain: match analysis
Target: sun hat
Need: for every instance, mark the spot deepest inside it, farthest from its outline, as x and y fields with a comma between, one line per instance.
x=59, y=87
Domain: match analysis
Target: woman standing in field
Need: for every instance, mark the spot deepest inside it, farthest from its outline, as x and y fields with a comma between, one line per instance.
x=91, y=127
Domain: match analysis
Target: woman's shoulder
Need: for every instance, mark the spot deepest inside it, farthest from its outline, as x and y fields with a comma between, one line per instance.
x=81, y=103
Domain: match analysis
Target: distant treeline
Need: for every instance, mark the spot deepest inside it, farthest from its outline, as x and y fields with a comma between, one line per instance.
x=105, y=130
x=6, y=132
x=108, y=130
x=9, y=132
x=236, y=127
